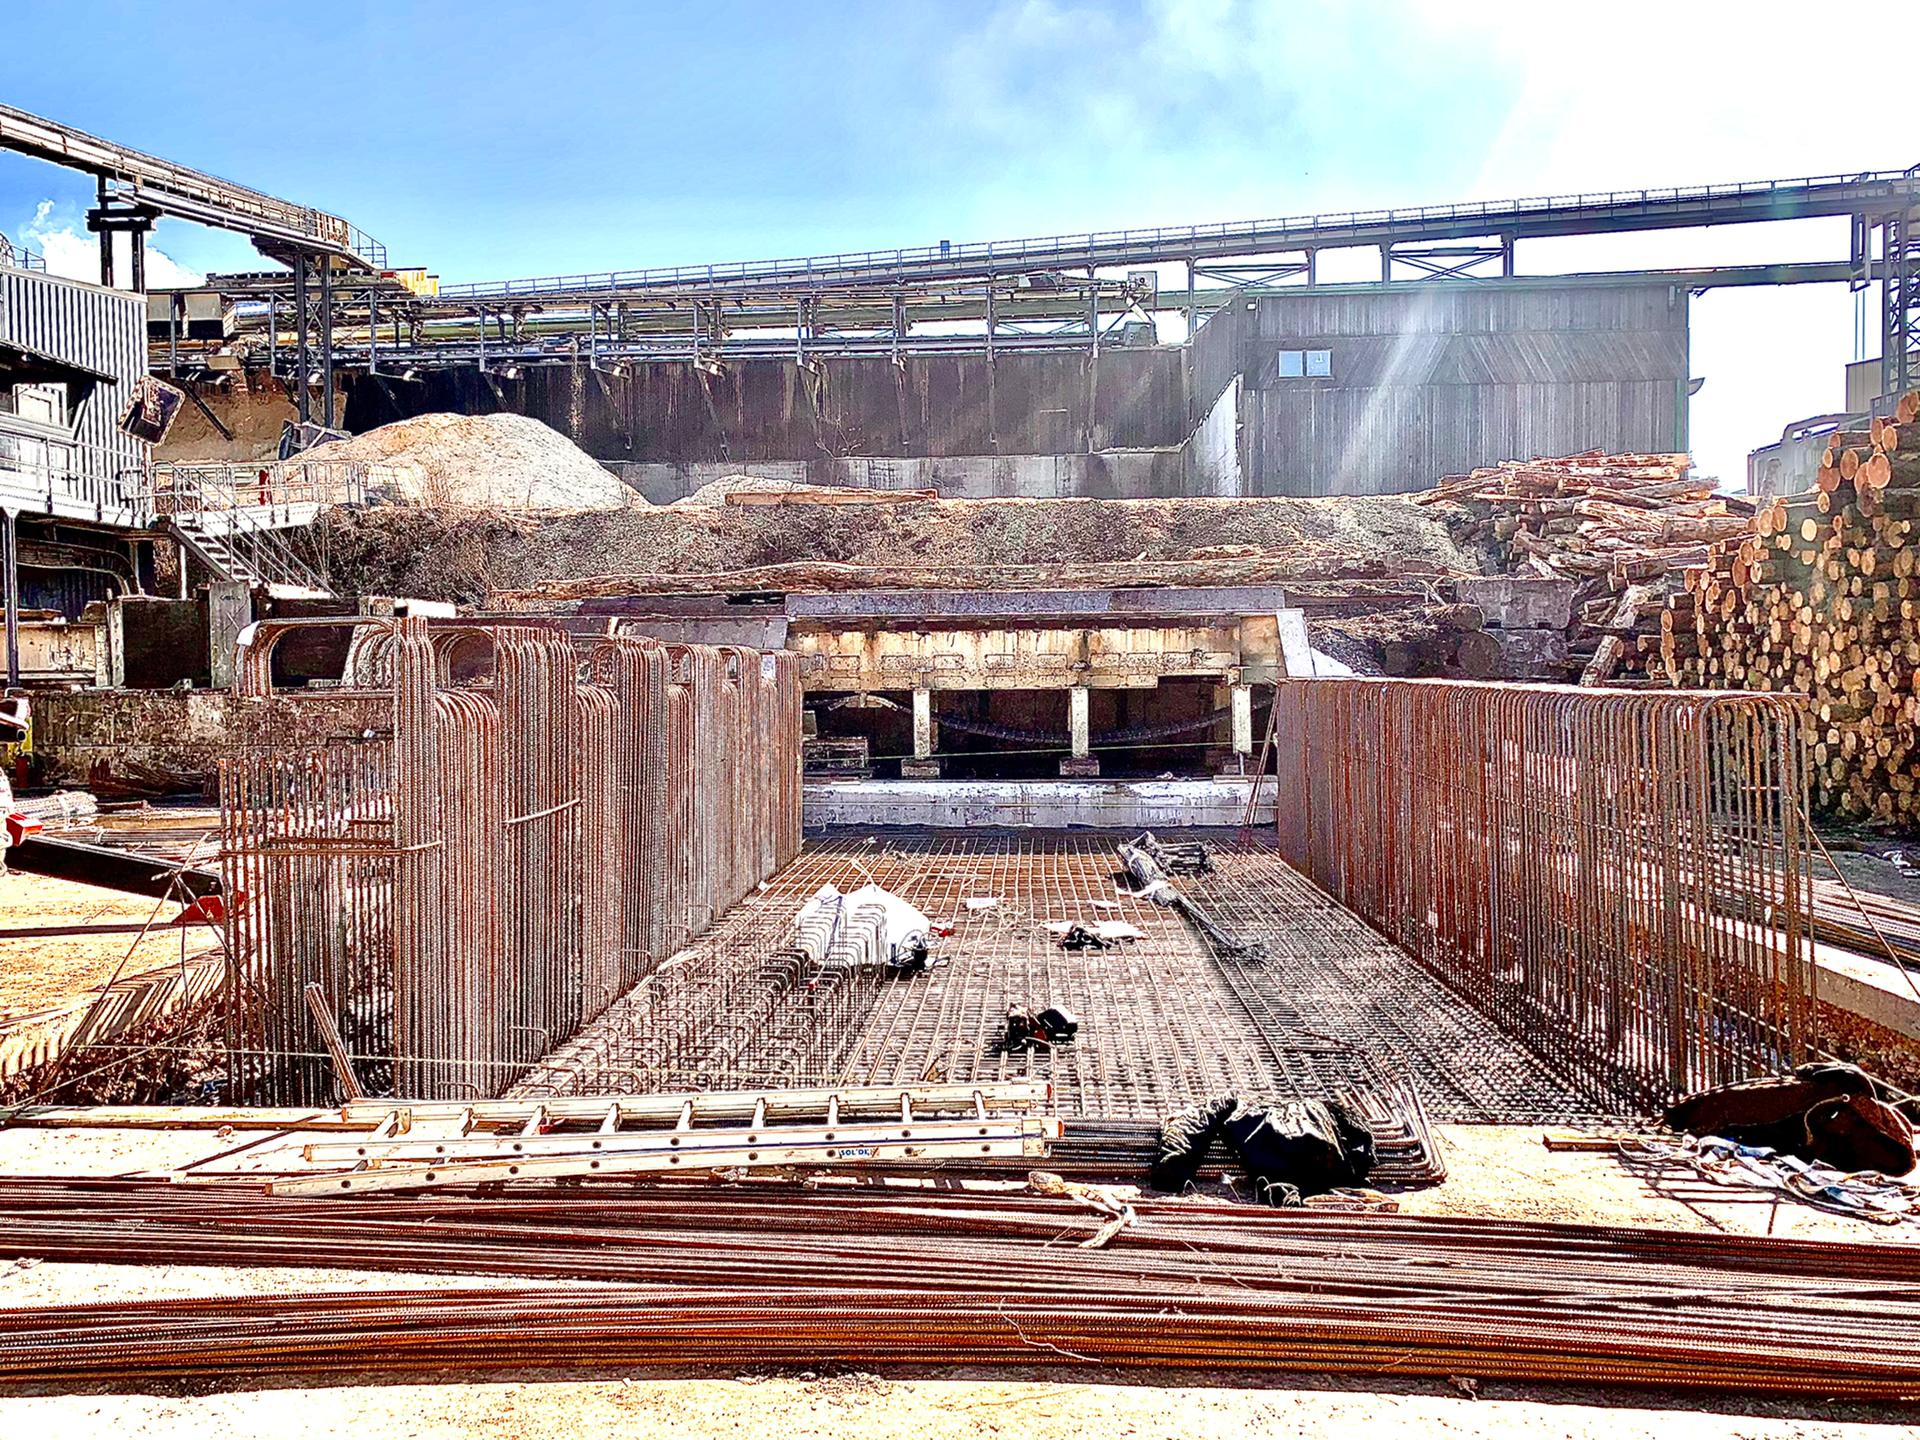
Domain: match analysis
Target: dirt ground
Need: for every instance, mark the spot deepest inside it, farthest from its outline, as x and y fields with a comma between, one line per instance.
x=941, y=1406
x=464, y=555
x=42, y=973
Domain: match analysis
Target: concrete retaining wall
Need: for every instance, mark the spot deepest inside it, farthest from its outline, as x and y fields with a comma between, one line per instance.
x=1040, y=804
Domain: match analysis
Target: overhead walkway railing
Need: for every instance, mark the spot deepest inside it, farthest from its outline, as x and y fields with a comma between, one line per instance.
x=1870, y=192
x=19, y=256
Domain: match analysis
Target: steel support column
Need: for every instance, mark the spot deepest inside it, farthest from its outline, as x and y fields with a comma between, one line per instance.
x=326, y=341
x=1900, y=302
x=300, y=317
x=106, y=241
x=10, y=589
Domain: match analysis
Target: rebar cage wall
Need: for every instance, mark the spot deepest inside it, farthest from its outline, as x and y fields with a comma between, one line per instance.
x=1622, y=880
x=472, y=870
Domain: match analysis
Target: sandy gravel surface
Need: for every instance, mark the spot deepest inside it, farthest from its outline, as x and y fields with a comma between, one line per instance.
x=864, y=1407
x=38, y=974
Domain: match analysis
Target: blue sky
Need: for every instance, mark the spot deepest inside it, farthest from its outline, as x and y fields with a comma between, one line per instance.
x=488, y=140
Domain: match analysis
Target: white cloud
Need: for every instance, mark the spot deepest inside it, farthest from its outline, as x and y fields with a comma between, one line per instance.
x=75, y=254
x=1192, y=110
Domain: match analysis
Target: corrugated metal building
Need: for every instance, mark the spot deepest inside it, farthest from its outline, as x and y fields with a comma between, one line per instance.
x=1364, y=389
x=1375, y=391
x=62, y=453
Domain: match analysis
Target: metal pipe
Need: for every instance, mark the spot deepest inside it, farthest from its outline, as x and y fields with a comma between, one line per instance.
x=10, y=586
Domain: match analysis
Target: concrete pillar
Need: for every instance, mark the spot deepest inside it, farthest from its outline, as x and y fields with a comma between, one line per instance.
x=1242, y=703
x=922, y=766
x=1082, y=761
x=923, y=724
x=117, y=639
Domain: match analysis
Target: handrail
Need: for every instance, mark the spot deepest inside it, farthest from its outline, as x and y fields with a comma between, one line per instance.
x=19, y=256
x=200, y=487
x=198, y=194
x=57, y=468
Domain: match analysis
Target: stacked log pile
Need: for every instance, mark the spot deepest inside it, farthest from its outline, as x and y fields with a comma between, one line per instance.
x=1822, y=599
x=1623, y=527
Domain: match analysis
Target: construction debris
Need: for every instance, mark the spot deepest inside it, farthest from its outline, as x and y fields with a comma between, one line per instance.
x=1288, y=1150
x=1042, y=1029
x=1176, y=857
x=1093, y=934
x=1866, y=1195
x=1152, y=882
x=1828, y=1113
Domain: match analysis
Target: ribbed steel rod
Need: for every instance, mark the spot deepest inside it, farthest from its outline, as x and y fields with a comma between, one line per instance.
x=773, y=1274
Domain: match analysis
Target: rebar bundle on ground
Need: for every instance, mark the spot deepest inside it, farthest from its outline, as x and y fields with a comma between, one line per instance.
x=711, y=1275
x=516, y=828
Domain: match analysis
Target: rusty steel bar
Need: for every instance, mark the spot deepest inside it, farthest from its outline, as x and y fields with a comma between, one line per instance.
x=474, y=847
x=1622, y=880
x=755, y=1275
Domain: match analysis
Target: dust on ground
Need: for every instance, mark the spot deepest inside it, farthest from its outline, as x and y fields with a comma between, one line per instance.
x=464, y=555
x=37, y=974
x=941, y=1405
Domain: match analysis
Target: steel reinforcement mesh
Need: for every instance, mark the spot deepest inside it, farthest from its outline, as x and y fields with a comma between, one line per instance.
x=1619, y=879
x=485, y=842
x=1164, y=1020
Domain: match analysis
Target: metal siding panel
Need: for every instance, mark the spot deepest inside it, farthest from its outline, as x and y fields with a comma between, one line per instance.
x=102, y=329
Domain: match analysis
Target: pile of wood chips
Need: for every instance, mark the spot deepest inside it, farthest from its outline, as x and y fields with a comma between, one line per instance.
x=1822, y=599
x=1622, y=527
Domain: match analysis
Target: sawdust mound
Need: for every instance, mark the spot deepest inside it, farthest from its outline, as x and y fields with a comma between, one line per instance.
x=483, y=462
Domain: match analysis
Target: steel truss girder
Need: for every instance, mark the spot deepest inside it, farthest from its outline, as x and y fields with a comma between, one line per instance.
x=1242, y=277
x=1449, y=262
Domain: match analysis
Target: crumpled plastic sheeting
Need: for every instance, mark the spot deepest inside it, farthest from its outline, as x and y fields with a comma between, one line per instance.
x=823, y=916
x=1866, y=1194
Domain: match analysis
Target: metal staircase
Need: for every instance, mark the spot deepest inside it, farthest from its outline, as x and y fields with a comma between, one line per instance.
x=234, y=519
x=256, y=555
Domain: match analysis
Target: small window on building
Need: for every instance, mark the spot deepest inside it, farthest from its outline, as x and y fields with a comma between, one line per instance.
x=1292, y=364
x=1319, y=362
x=44, y=403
